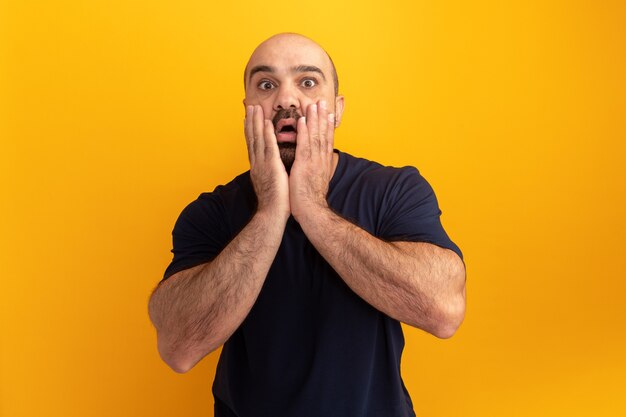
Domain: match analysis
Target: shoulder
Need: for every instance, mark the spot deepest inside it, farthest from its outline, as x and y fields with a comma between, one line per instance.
x=238, y=188
x=371, y=173
x=220, y=202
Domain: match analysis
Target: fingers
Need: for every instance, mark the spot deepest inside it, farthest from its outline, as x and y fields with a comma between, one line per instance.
x=313, y=126
x=316, y=134
x=303, y=148
x=260, y=135
x=330, y=133
x=269, y=137
x=323, y=126
x=248, y=132
x=258, y=126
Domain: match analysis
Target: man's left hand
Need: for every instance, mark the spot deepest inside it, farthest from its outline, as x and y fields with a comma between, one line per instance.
x=313, y=166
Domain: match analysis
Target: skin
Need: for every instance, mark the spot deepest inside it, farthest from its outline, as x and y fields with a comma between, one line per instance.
x=311, y=94
x=196, y=310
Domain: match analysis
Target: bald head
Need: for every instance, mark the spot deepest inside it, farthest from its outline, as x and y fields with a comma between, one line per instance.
x=288, y=76
x=285, y=44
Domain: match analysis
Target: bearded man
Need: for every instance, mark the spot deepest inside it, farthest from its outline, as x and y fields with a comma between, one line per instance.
x=304, y=267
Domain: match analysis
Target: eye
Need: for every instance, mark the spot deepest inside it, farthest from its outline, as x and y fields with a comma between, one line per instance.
x=308, y=83
x=266, y=85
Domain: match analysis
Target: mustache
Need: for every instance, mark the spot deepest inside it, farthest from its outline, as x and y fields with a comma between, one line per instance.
x=290, y=113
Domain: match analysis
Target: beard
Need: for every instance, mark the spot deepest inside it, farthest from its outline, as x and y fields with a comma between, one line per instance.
x=287, y=150
x=287, y=154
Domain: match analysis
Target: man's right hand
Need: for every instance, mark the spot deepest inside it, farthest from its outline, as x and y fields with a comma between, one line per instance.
x=267, y=171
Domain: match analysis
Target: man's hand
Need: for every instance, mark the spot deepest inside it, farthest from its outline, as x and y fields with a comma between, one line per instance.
x=267, y=172
x=197, y=309
x=313, y=166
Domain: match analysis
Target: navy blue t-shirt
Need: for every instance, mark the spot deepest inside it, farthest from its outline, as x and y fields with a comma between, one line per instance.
x=310, y=346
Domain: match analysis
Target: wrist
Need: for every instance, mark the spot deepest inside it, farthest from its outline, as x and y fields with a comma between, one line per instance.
x=273, y=214
x=312, y=214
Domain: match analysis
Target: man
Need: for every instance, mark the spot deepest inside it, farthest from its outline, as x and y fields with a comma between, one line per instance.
x=304, y=267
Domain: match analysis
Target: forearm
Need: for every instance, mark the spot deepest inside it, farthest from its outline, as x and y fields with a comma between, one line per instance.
x=420, y=284
x=196, y=310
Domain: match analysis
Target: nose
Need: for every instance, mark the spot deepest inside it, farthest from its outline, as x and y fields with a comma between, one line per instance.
x=286, y=98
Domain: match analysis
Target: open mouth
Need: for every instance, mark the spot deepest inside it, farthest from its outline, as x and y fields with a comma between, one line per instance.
x=286, y=125
x=286, y=130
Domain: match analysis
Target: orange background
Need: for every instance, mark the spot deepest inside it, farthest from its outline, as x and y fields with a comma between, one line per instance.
x=116, y=114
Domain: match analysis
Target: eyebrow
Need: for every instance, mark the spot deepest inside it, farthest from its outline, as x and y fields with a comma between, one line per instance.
x=299, y=68
x=309, y=68
x=260, y=68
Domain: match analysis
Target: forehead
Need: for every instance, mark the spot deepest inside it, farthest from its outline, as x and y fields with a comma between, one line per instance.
x=284, y=53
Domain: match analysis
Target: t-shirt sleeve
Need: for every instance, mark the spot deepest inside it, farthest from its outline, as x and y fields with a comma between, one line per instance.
x=413, y=213
x=199, y=234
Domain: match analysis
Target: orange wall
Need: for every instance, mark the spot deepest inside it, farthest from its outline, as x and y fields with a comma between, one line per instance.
x=116, y=114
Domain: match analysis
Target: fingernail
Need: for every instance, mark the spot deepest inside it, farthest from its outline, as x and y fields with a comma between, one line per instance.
x=314, y=107
x=323, y=104
x=331, y=117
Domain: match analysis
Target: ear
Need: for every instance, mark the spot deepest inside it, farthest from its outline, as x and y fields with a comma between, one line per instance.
x=339, y=106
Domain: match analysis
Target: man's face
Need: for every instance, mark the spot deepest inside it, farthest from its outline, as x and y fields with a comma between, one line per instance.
x=284, y=75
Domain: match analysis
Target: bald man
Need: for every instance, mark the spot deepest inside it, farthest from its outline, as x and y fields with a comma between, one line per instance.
x=304, y=266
